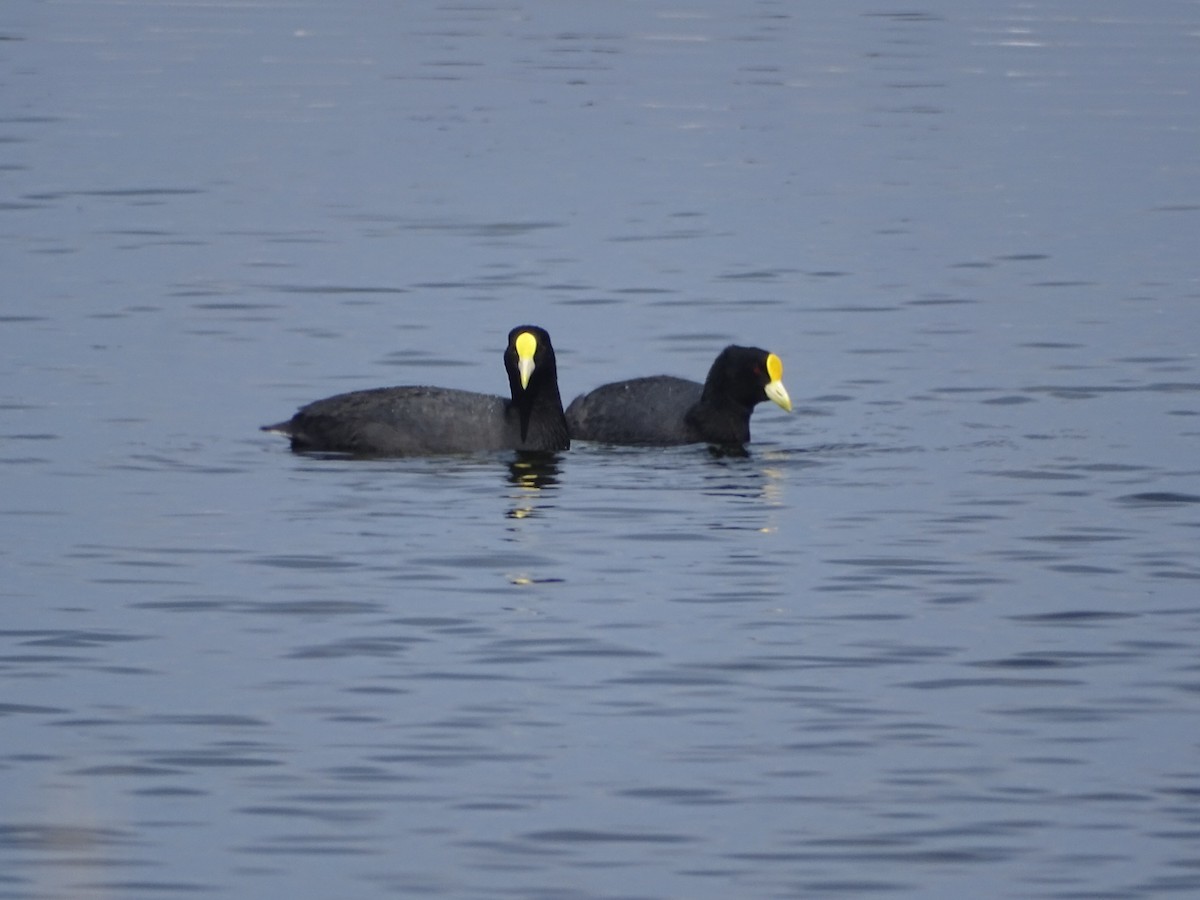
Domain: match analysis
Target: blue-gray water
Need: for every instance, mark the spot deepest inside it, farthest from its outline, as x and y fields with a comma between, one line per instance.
x=937, y=636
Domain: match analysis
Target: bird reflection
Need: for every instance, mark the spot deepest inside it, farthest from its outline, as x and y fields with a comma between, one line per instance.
x=531, y=473
x=757, y=487
x=735, y=451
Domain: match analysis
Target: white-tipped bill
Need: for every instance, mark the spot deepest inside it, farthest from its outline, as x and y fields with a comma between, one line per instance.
x=775, y=390
x=526, y=346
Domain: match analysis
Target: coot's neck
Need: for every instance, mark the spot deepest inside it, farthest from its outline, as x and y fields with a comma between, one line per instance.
x=720, y=417
x=543, y=423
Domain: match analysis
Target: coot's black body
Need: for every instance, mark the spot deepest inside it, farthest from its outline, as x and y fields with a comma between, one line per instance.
x=421, y=421
x=663, y=410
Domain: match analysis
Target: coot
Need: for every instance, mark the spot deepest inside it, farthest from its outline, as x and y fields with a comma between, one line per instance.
x=663, y=410
x=421, y=421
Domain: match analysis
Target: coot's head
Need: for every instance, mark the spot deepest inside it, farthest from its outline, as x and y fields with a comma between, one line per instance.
x=748, y=375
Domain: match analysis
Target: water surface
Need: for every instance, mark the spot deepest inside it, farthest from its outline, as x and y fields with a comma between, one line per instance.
x=934, y=636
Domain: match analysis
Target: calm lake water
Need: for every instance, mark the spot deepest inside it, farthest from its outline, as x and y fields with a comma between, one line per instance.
x=938, y=635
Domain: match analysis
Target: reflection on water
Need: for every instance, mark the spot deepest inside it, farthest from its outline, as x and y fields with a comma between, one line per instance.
x=534, y=471
x=532, y=474
x=933, y=635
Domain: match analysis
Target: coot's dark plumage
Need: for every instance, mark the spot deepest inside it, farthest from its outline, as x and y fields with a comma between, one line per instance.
x=662, y=410
x=421, y=421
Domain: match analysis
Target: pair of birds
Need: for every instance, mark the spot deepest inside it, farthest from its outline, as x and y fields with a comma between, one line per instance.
x=660, y=410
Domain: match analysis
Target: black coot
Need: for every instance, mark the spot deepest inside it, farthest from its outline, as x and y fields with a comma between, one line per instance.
x=662, y=410
x=421, y=421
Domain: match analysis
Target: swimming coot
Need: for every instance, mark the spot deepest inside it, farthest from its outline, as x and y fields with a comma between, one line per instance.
x=662, y=410
x=421, y=421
